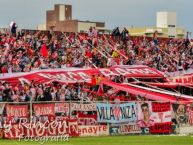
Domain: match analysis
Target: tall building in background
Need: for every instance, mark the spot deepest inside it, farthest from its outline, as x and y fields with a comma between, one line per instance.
x=60, y=19
x=166, y=25
x=166, y=19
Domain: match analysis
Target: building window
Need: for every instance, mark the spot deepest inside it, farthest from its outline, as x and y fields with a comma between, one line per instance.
x=172, y=26
x=170, y=36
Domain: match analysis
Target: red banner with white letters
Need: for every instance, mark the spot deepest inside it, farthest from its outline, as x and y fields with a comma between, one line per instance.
x=161, y=112
x=17, y=111
x=73, y=75
x=44, y=109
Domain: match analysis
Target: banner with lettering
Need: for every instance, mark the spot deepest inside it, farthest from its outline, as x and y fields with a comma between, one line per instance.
x=87, y=119
x=17, y=111
x=161, y=128
x=73, y=75
x=83, y=107
x=130, y=128
x=127, y=128
x=94, y=130
x=44, y=109
x=154, y=117
x=116, y=113
x=161, y=112
x=62, y=108
x=73, y=127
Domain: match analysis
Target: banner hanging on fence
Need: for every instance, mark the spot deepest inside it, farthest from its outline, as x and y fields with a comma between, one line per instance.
x=118, y=129
x=83, y=107
x=44, y=109
x=96, y=130
x=87, y=119
x=183, y=118
x=130, y=128
x=17, y=111
x=62, y=108
x=161, y=112
x=161, y=128
x=155, y=116
x=190, y=115
x=180, y=114
x=116, y=113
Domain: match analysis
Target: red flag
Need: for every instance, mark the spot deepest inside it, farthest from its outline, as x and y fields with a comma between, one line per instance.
x=44, y=51
x=81, y=38
x=100, y=90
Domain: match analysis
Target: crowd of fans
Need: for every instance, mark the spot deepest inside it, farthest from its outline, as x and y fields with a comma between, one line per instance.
x=25, y=52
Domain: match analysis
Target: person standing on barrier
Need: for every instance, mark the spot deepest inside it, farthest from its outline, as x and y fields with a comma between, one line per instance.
x=13, y=28
x=125, y=36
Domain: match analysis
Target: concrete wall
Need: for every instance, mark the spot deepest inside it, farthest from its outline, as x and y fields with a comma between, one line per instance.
x=41, y=27
x=84, y=26
x=67, y=26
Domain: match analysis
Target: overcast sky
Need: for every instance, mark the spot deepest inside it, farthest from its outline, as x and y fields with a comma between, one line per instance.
x=29, y=13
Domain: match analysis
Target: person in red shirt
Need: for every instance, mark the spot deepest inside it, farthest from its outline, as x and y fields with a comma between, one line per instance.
x=4, y=69
x=93, y=82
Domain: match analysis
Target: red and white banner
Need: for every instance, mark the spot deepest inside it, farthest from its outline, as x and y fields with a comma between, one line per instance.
x=17, y=111
x=73, y=75
x=73, y=127
x=162, y=115
x=99, y=130
x=161, y=128
x=152, y=113
x=184, y=79
x=129, y=128
x=62, y=108
x=190, y=115
x=151, y=94
x=54, y=128
x=44, y=109
x=161, y=112
x=135, y=71
x=85, y=119
x=83, y=107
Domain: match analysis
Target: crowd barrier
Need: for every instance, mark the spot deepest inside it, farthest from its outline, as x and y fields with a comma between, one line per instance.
x=94, y=119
